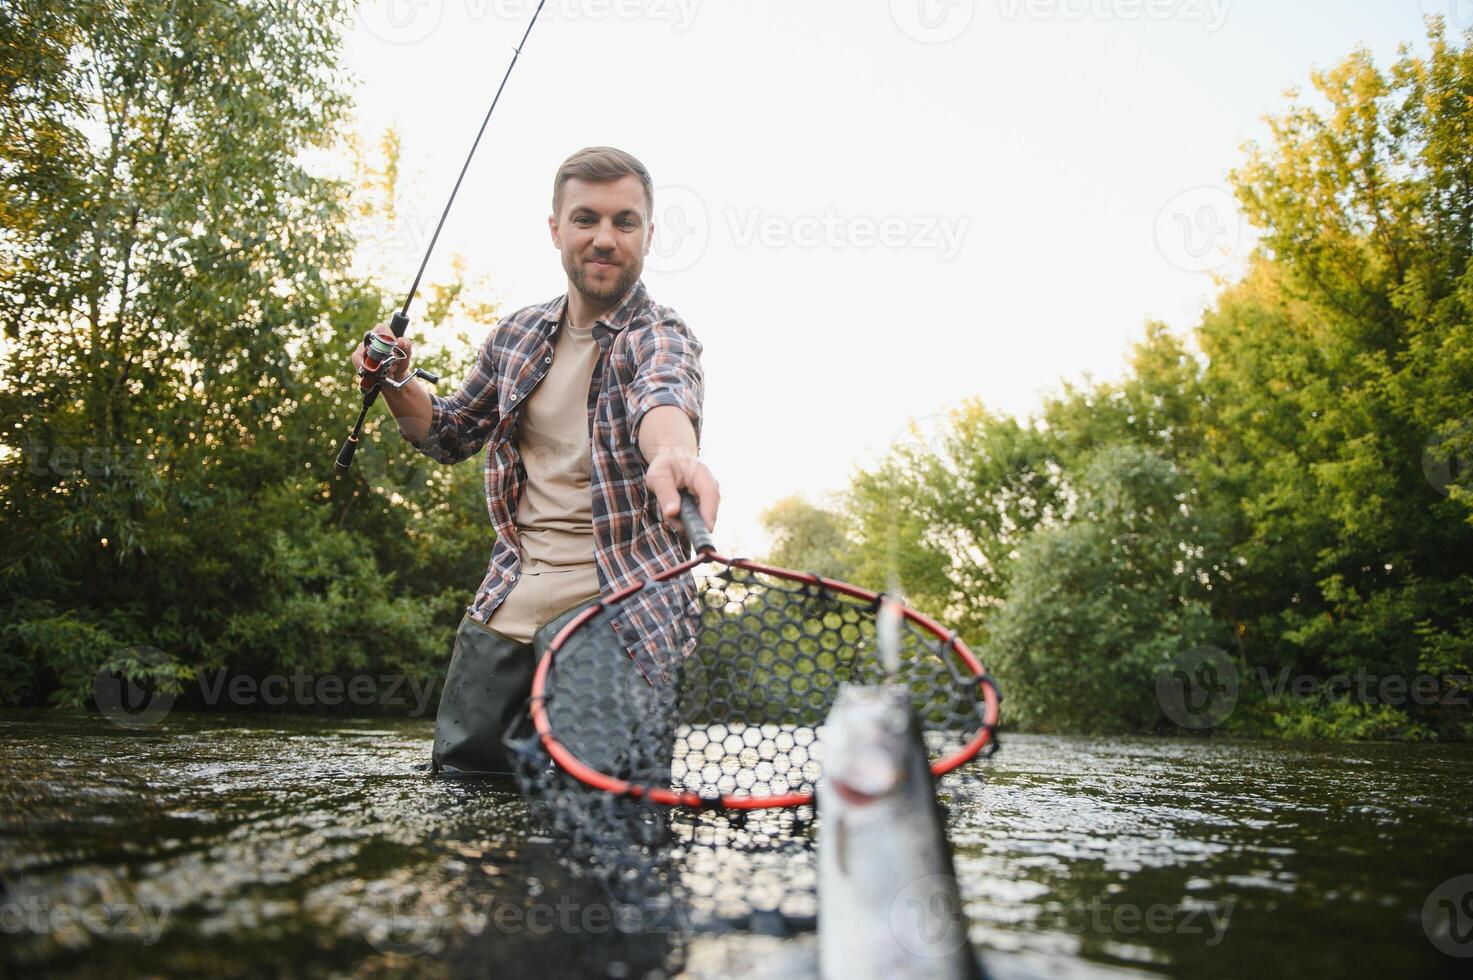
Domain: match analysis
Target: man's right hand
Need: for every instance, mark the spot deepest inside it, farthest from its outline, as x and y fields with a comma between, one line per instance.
x=401, y=367
x=409, y=405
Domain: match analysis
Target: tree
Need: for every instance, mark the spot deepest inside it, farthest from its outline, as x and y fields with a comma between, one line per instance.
x=182, y=302
x=1319, y=444
x=807, y=538
x=1341, y=371
x=1099, y=604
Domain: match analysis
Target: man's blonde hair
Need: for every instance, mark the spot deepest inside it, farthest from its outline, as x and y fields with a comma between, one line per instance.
x=601, y=163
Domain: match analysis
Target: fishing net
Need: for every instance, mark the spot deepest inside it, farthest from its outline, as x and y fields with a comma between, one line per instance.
x=679, y=732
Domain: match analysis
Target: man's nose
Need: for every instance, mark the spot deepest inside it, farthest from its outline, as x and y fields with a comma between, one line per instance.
x=604, y=238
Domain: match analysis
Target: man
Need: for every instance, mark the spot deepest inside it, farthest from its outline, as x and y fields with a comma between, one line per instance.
x=589, y=407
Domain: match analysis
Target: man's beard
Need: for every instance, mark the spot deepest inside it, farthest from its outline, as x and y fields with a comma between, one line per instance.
x=628, y=275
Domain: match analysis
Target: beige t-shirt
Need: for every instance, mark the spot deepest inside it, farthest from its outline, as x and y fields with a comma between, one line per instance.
x=555, y=515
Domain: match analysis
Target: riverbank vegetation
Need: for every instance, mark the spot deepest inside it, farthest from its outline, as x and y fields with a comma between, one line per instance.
x=181, y=302
x=1288, y=485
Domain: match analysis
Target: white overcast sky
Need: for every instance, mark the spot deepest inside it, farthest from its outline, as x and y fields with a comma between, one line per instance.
x=868, y=211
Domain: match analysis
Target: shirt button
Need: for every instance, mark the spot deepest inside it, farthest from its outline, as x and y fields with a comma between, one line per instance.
x=514, y=396
x=547, y=360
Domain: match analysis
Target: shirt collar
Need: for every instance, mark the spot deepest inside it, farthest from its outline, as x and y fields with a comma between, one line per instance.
x=616, y=319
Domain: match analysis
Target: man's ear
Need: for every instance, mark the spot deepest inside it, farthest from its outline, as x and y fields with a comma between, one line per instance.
x=649, y=239
x=557, y=239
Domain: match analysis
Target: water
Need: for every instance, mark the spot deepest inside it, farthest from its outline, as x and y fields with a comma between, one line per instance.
x=312, y=847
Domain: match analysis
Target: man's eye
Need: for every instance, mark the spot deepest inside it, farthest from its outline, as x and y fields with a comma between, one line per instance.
x=628, y=225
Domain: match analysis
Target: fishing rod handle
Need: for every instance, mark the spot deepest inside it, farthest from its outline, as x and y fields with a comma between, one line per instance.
x=345, y=453
x=695, y=527
x=350, y=445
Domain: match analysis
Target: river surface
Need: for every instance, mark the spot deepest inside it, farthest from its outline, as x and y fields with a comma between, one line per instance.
x=318, y=847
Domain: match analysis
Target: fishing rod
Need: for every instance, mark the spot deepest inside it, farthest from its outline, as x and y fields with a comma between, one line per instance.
x=379, y=354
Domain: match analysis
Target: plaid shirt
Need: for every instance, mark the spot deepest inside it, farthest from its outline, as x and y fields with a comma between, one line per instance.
x=647, y=357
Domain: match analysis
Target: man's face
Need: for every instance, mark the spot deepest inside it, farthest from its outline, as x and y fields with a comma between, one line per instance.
x=604, y=234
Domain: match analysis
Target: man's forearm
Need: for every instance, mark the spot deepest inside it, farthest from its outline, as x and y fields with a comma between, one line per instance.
x=666, y=429
x=667, y=439
x=411, y=408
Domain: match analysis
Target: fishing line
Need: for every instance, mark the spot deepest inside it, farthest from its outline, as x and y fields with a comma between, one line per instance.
x=379, y=354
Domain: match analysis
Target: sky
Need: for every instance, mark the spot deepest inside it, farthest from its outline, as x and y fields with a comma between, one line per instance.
x=867, y=211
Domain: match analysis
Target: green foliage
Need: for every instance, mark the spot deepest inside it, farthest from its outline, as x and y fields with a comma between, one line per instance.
x=1347, y=720
x=1099, y=604
x=176, y=371
x=1297, y=492
x=943, y=516
x=807, y=538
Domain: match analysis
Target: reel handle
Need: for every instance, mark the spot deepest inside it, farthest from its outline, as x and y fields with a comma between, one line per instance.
x=433, y=379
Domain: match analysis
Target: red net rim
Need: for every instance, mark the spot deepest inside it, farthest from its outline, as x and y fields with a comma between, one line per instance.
x=589, y=776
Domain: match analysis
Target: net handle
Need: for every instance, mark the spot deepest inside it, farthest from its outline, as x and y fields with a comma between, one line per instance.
x=695, y=527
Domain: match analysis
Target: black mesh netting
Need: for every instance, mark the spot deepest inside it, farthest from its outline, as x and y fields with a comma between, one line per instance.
x=716, y=687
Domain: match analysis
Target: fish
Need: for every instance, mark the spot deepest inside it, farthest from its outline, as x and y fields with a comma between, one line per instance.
x=888, y=901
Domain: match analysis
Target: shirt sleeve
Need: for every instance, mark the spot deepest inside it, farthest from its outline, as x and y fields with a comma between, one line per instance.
x=461, y=423
x=667, y=372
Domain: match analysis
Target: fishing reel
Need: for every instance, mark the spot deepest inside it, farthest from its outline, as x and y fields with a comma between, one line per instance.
x=379, y=357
